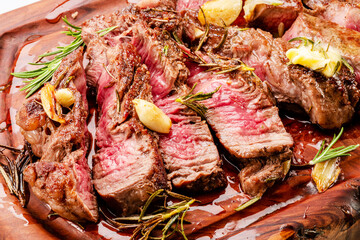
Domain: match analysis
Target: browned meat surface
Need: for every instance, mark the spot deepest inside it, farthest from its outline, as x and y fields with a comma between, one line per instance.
x=62, y=177
x=346, y=41
x=274, y=17
x=259, y=174
x=329, y=102
x=128, y=165
x=189, y=153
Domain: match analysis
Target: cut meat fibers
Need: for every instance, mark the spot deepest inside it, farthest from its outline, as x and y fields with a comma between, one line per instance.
x=247, y=124
x=329, y=102
x=189, y=153
x=128, y=165
x=61, y=177
x=346, y=41
x=345, y=13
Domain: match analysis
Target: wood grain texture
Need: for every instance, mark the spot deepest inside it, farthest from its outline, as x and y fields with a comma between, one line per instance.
x=292, y=209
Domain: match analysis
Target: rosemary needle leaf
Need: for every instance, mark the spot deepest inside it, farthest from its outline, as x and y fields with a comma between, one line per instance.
x=248, y=203
x=328, y=153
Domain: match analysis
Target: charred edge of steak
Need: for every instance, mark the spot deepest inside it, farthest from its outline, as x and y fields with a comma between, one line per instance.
x=259, y=174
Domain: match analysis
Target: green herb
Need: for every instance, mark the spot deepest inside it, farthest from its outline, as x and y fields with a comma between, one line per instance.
x=328, y=153
x=168, y=217
x=205, y=35
x=38, y=77
x=191, y=101
x=165, y=50
x=248, y=203
x=12, y=172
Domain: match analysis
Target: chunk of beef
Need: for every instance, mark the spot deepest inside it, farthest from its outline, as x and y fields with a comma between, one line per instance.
x=346, y=41
x=127, y=166
x=274, y=18
x=189, y=153
x=344, y=13
x=323, y=99
x=62, y=177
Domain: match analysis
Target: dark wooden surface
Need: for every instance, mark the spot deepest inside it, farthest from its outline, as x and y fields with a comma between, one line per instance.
x=291, y=209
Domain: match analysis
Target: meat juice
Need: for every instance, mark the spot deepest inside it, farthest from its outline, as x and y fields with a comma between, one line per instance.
x=214, y=216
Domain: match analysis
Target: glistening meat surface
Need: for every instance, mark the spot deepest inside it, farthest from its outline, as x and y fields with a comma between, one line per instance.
x=62, y=177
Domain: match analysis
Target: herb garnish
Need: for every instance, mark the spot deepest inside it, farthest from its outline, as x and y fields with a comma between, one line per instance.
x=39, y=77
x=328, y=153
x=248, y=203
x=12, y=172
x=170, y=217
x=191, y=100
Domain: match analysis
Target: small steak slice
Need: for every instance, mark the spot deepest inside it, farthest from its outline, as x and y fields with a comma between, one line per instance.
x=346, y=41
x=127, y=166
x=243, y=114
x=62, y=177
x=246, y=121
x=329, y=102
x=273, y=17
x=189, y=153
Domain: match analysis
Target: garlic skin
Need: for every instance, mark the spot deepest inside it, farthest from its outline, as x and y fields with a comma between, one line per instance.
x=49, y=103
x=65, y=97
x=220, y=12
x=152, y=116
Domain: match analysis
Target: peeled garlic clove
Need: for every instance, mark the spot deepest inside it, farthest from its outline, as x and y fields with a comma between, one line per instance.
x=198, y=33
x=48, y=102
x=65, y=97
x=152, y=116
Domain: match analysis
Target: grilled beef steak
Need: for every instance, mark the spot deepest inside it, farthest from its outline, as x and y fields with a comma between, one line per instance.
x=189, y=153
x=329, y=102
x=127, y=166
x=61, y=177
x=243, y=116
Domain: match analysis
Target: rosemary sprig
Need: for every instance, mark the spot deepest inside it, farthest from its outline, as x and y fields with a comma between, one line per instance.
x=12, y=172
x=192, y=100
x=248, y=203
x=169, y=217
x=328, y=153
x=40, y=76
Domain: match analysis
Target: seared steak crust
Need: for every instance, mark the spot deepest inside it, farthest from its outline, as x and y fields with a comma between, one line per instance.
x=62, y=178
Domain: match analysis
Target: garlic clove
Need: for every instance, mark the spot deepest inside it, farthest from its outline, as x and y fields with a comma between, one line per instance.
x=48, y=102
x=152, y=116
x=65, y=97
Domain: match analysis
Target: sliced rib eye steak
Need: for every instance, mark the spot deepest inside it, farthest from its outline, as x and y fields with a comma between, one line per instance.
x=329, y=102
x=127, y=166
x=62, y=177
x=189, y=153
x=246, y=121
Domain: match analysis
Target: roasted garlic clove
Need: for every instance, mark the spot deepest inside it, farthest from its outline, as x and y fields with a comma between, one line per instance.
x=152, y=116
x=220, y=12
x=65, y=97
x=48, y=102
x=325, y=174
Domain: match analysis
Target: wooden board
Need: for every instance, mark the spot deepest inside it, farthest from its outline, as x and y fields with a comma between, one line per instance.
x=291, y=209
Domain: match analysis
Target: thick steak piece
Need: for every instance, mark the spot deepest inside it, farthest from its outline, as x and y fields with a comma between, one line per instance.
x=62, y=177
x=346, y=41
x=128, y=165
x=245, y=120
x=189, y=153
x=329, y=102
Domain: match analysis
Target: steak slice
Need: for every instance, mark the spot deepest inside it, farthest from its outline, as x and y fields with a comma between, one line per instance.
x=346, y=41
x=274, y=18
x=62, y=176
x=128, y=165
x=189, y=153
x=329, y=102
x=246, y=122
